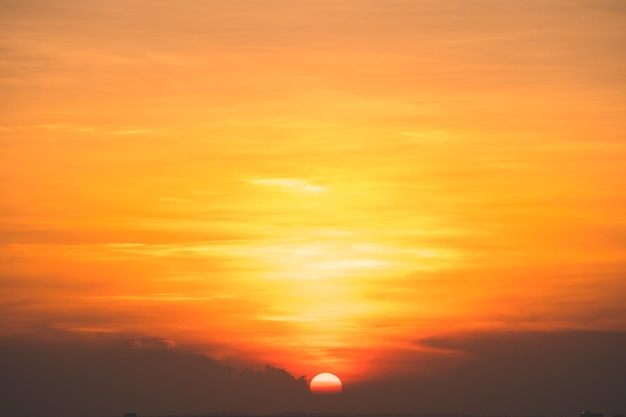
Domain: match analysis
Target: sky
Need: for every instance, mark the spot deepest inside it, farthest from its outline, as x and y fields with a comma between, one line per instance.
x=205, y=203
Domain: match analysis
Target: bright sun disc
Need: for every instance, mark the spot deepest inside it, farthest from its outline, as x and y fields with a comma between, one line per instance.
x=325, y=383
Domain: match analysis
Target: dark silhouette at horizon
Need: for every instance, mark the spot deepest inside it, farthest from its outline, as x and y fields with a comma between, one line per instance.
x=557, y=373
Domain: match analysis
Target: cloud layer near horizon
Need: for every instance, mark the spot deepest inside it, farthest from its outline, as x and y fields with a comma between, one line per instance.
x=524, y=373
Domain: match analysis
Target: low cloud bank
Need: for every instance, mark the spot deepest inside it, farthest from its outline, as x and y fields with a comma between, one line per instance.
x=523, y=373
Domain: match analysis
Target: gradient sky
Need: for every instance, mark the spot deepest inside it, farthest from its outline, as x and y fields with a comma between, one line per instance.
x=346, y=186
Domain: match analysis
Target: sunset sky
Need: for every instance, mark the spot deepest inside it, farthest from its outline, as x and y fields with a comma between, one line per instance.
x=371, y=188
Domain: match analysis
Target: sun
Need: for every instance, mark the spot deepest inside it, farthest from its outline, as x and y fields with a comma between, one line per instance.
x=325, y=383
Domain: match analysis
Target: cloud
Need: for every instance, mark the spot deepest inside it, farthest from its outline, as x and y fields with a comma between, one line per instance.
x=427, y=136
x=153, y=344
x=290, y=184
x=530, y=372
x=519, y=373
x=73, y=128
x=105, y=374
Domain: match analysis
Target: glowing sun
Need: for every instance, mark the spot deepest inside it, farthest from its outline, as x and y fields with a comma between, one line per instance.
x=325, y=383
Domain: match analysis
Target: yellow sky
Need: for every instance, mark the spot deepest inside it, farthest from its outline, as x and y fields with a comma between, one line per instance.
x=312, y=184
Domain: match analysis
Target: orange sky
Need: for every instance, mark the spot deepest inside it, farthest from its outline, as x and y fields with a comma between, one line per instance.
x=312, y=184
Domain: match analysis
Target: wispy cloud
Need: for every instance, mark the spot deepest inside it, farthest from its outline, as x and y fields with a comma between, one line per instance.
x=72, y=128
x=427, y=136
x=163, y=297
x=290, y=184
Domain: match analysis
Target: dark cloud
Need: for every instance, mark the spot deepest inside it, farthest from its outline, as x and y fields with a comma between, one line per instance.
x=153, y=344
x=523, y=373
x=97, y=374
x=520, y=373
